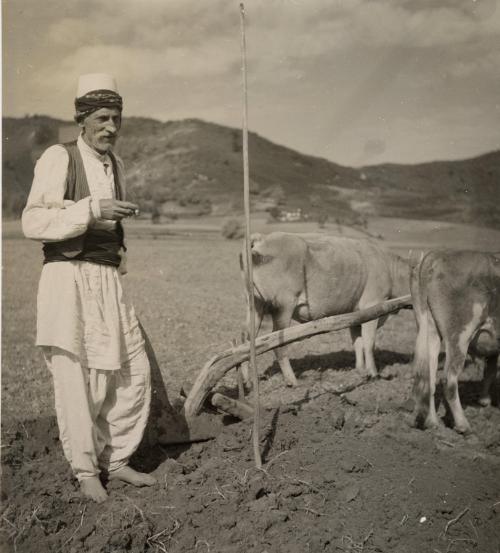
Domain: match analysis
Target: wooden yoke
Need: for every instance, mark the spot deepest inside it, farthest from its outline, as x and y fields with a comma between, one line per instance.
x=220, y=364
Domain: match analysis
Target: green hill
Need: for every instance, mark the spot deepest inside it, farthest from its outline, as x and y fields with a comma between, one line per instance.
x=192, y=167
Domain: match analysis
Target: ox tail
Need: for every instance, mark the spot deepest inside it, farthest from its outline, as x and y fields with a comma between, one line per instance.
x=421, y=365
x=399, y=276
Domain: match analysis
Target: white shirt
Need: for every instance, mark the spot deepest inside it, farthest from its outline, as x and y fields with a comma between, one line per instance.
x=82, y=307
x=51, y=218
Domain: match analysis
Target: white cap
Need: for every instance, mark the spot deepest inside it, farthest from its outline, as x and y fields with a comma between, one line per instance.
x=95, y=81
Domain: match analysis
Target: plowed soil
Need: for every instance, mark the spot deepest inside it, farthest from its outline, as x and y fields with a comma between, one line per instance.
x=342, y=472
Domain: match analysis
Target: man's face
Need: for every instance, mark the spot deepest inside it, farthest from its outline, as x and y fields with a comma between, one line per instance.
x=100, y=129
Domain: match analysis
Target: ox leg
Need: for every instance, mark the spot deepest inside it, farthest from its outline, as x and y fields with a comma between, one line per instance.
x=425, y=364
x=455, y=359
x=357, y=342
x=489, y=382
x=368, y=332
x=281, y=320
x=434, y=345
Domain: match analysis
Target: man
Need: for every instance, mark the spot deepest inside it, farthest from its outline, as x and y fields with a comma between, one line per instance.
x=86, y=324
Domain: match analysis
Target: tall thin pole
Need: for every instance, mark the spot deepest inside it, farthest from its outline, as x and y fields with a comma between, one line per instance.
x=249, y=275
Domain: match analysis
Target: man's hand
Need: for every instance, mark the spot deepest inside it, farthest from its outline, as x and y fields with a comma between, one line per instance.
x=116, y=210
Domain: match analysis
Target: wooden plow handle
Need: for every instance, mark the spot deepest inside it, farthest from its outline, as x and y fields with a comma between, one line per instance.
x=221, y=363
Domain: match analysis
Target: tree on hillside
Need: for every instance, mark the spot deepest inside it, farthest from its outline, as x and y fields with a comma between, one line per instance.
x=322, y=219
x=236, y=142
x=155, y=213
x=276, y=193
x=206, y=207
x=13, y=204
x=274, y=212
x=254, y=187
x=233, y=229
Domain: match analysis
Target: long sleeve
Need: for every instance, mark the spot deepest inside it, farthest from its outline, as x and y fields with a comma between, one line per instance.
x=47, y=216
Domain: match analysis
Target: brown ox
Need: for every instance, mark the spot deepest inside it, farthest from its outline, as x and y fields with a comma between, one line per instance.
x=308, y=276
x=456, y=298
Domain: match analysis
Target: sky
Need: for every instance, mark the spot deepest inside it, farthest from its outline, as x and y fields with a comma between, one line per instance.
x=358, y=82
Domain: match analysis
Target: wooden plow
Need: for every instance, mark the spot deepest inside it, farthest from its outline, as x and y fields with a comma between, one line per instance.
x=231, y=358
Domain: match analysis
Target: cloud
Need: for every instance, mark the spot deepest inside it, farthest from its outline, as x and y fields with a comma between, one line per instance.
x=149, y=24
x=280, y=32
x=146, y=63
x=482, y=64
x=323, y=75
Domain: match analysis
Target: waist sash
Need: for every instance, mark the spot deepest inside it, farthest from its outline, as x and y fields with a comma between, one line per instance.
x=95, y=246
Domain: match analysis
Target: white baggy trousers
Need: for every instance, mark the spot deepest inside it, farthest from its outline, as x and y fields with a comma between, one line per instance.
x=101, y=414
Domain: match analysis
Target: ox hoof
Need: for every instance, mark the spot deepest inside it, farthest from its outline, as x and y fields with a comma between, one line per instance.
x=419, y=421
x=463, y=428
x=431, y=424
x=485, y=401
x=425, y=422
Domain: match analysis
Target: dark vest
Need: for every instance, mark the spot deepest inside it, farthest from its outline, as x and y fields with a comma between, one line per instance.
x=94, y=245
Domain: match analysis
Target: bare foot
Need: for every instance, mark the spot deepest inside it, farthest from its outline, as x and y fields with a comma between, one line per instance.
x=91, y=487
x=128, y=474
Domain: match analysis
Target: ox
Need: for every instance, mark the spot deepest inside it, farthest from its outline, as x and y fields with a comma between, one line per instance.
x=308, y=276
x=456, y=298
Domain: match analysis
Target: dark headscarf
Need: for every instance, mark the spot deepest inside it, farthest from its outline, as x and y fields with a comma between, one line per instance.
x=94, y=100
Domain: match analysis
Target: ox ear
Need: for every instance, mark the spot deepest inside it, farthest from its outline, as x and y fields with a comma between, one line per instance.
x=255, y=239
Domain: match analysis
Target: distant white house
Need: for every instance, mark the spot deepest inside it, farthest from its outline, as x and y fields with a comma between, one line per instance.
x=286, y=216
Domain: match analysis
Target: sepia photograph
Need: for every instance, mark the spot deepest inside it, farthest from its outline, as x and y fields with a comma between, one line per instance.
x=250, y=276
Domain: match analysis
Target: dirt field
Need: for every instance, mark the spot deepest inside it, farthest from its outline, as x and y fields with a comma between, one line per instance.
x=343, y=472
